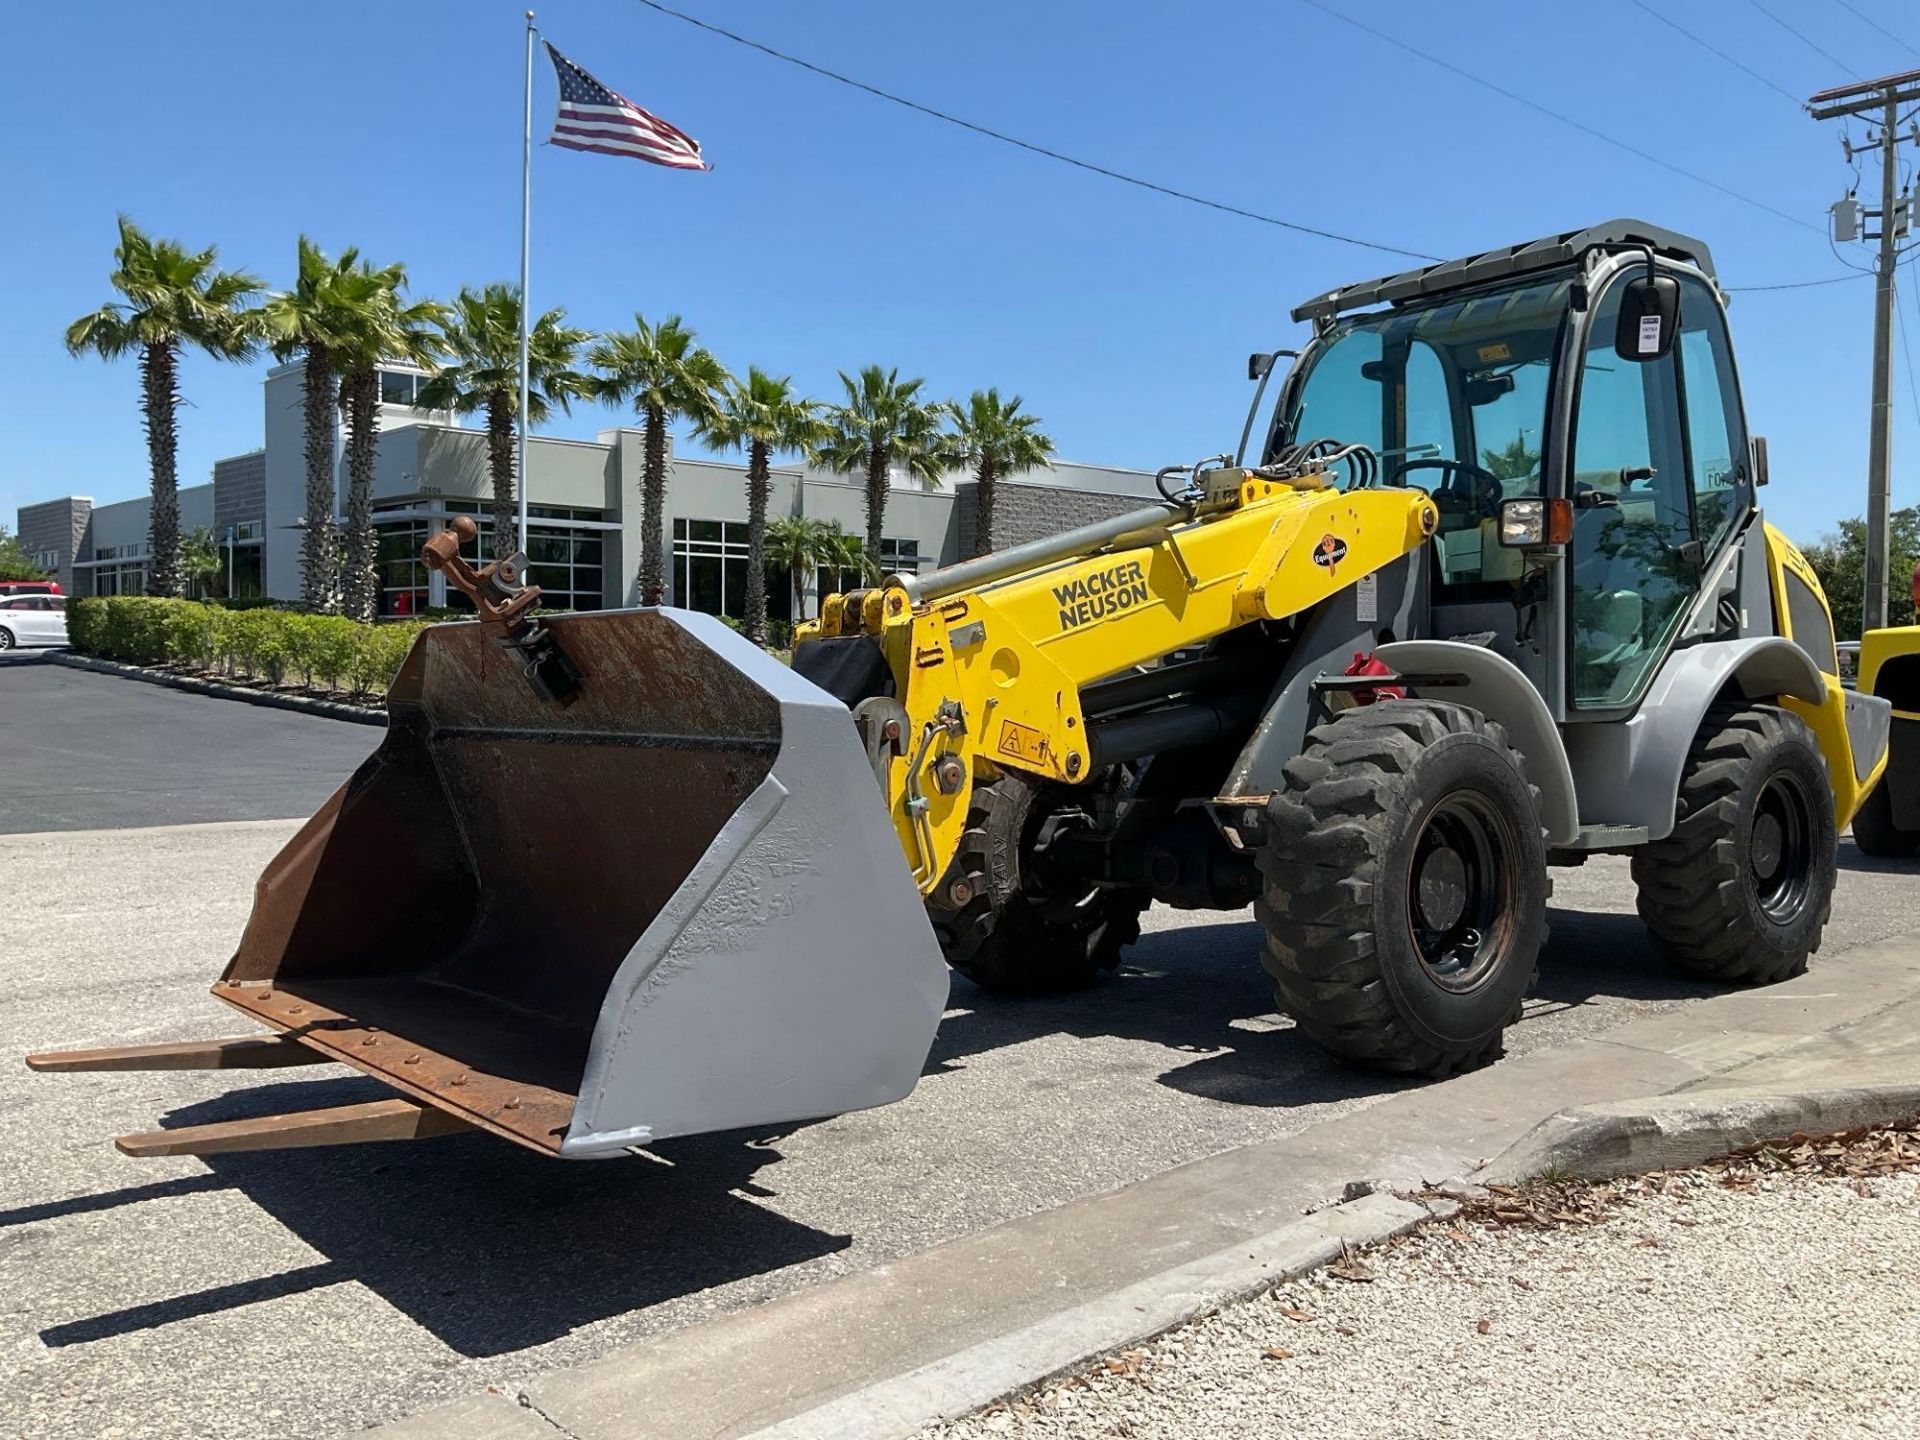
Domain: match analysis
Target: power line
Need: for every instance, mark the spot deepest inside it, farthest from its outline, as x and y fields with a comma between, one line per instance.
x=1796, y=284
x=1029, y=145
x=1826, y=55
x=1913, y=390
x=1866, y=19
x=1538, y=108
x=1715, y=49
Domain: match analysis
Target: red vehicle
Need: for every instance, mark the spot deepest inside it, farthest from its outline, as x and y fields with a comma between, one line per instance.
x=29, y=587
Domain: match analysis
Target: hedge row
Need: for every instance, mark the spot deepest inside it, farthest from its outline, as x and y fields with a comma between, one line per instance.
x=258, y=644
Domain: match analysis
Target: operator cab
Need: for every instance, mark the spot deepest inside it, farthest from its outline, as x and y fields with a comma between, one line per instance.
x=1498, y=379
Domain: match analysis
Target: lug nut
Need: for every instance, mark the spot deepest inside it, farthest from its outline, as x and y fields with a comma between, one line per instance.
x=959, y=892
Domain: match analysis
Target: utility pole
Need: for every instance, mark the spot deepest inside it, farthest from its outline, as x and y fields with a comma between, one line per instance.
x=1879, y=101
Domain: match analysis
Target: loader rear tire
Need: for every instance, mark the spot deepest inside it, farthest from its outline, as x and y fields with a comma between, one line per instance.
x=1874, y=830
x=1405, y=887
x=1014, y=934
x=1740, y=891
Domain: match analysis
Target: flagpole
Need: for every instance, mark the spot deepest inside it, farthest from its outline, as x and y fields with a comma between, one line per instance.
x=526, y=234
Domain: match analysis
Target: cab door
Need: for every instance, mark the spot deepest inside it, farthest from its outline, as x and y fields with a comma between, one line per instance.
x=1635, y=561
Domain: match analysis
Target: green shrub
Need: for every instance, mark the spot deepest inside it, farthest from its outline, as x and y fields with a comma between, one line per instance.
x=257, y=642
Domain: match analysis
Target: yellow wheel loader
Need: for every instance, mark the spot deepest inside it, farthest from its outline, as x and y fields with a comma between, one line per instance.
x=1487, y=589
x=1888, y=821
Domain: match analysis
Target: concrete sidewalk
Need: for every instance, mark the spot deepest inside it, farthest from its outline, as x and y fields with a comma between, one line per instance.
x=1853, y=1021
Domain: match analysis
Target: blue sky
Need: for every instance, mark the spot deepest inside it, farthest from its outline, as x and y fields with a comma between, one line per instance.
x=837, y=230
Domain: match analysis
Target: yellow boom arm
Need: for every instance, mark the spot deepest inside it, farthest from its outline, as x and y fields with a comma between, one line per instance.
x=991, y=676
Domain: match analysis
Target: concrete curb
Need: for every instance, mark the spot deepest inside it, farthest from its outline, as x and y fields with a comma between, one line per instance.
x=331, y=709
x=1668, y=1132
x=995, y=1369
x=921, y=1335
x=960, y=1383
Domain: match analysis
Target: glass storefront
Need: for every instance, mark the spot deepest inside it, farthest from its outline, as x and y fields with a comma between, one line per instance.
x=710, y=571
x=565, y=544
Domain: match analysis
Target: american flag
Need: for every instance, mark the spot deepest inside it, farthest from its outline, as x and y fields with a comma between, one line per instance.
x=592, y=117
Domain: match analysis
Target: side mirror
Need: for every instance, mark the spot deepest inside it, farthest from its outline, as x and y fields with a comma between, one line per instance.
x=1649, y=316
x=1758, y=445
x=1259, y=363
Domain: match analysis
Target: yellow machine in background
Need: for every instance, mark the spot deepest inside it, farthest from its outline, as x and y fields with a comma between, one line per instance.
x=1888, y=822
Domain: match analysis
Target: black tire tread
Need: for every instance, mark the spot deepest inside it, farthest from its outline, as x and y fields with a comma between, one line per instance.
x=1326, y=826
x=1875, y=832
x=1690, y=884
x=1006, y=941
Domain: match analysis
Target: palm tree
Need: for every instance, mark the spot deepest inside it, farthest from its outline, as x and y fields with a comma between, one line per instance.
x=1515, y=462
x=395, y=329
x=801, y=546
x=480, y=338
x=996, y=439
x=761, y=416
x=882, y=424
x=322, y=319
x=174, y=298
x=200, y=561
x=663, y=373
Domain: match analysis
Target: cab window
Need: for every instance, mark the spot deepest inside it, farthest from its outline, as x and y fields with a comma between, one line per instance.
x=1716, y=442
x=1452, y=397
x=1634, y=570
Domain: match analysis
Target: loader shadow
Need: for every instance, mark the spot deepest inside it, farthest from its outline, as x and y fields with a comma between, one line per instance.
x=490, y=1248
x=1200, y=990
x=1852, y=857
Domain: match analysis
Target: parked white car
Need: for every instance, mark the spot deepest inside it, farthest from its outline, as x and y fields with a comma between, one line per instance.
x=33, y=620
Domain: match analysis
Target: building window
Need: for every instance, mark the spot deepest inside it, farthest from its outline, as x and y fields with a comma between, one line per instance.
x=566, y=565
x=899, y=556
x=710, y=570
x=120, y=579
x=401, y=572
x=398, y=387
x=46, y=559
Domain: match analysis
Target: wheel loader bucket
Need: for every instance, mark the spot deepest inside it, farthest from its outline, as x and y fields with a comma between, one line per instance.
x=675, y=905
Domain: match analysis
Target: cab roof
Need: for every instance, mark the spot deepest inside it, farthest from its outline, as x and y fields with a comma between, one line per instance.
x=1542, y=254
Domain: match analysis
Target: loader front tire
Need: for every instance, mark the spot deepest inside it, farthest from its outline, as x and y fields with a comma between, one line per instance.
x=1405, y=887
x=1021, y=931
x=1740, y=891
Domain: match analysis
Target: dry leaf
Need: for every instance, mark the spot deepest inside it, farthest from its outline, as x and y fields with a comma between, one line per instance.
x=1483, y=1325
x=1304, y=1316
x=1274, y=1352
x=1519, y=1283
x=1563, y=1269
x=1345, y=1329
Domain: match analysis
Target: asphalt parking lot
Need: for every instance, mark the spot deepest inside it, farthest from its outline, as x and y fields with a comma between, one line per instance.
x=314, y=1292
x=83, y=751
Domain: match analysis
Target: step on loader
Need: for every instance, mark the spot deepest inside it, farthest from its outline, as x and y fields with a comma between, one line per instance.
x=1487, y=589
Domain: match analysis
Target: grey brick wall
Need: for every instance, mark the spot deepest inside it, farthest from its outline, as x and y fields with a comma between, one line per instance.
x=239, y=490
x=59, y=526
x=1033, y=512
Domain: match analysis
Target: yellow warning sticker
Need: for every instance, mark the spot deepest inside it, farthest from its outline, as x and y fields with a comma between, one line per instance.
x=1490, y=353
x=1022, y=742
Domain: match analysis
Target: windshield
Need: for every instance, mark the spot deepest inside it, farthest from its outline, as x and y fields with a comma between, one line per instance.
x=1451, y=397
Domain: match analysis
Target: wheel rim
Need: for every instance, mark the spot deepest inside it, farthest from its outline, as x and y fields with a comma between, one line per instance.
x=1780, y=849
x=1460, y=891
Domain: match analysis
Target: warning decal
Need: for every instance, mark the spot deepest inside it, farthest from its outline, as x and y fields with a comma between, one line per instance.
x=1022, y=742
